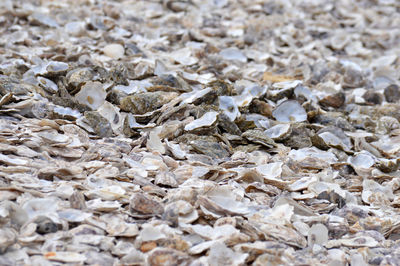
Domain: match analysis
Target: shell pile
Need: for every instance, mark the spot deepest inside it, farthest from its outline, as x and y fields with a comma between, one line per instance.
x=202, y=132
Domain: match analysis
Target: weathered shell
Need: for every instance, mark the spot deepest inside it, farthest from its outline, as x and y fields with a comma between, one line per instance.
x=168, y=257
x=142, y=103
x=142, y=204
x=221, y=200
x=55, y=68
x=8, y=238
x=229, y=107
x=283, y=89
x=77, y=77
x=91, y=94
x=259, y=137
x=48, y=85
x=279, y=131
x=233, y=54
x=318, y=235
x=392, y=93
x=179, y=133
x=100, y=125
x=339, y=40
x=206, y=120
x=289, y=111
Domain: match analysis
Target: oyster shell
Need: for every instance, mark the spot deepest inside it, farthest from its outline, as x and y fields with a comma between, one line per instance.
x=289, y=111
x=279, y=131
x=260, y=137
x=142, y=103
x=179, y=133
x=92, y=94
x=206, y=120
x=228, y=106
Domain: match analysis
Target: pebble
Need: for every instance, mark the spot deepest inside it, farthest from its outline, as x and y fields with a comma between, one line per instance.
x=336, y=100
x=392, y=93
x=114, y=51
x=373, y=97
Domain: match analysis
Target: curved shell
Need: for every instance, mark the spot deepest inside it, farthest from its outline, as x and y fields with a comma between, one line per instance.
x=206, y=120
x=228, y=105
x=92, y=94
x=279, y=131
x=289, y=111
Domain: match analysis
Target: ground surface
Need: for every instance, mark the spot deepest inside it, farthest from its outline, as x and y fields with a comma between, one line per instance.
x=199, y=132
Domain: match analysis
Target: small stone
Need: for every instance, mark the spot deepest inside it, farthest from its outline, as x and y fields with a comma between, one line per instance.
x=336, y=100
x=115, y=51
x=392, y=93
x=146, y=247
x=45, y=225
x=373, y=97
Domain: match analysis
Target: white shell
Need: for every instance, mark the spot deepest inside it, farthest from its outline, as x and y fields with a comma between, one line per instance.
x=362, y=160
x=48, y=85
x=92, y=94
x=318, y=234
x=334, y=141
x=228, y=105
x=289, y=111
x=234, y=54
x=207, y=119
x=278, y=131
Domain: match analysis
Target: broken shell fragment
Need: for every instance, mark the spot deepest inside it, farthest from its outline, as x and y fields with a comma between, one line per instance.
x=229, y=107
x=279, y=131
x=142, y=204
x=260, y=137
x=199, y=132
x=56, y=68
x=8, y=237
x=206, y=120
x=79, y=76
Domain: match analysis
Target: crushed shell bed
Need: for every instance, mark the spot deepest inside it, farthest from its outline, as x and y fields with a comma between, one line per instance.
x=202, y=132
